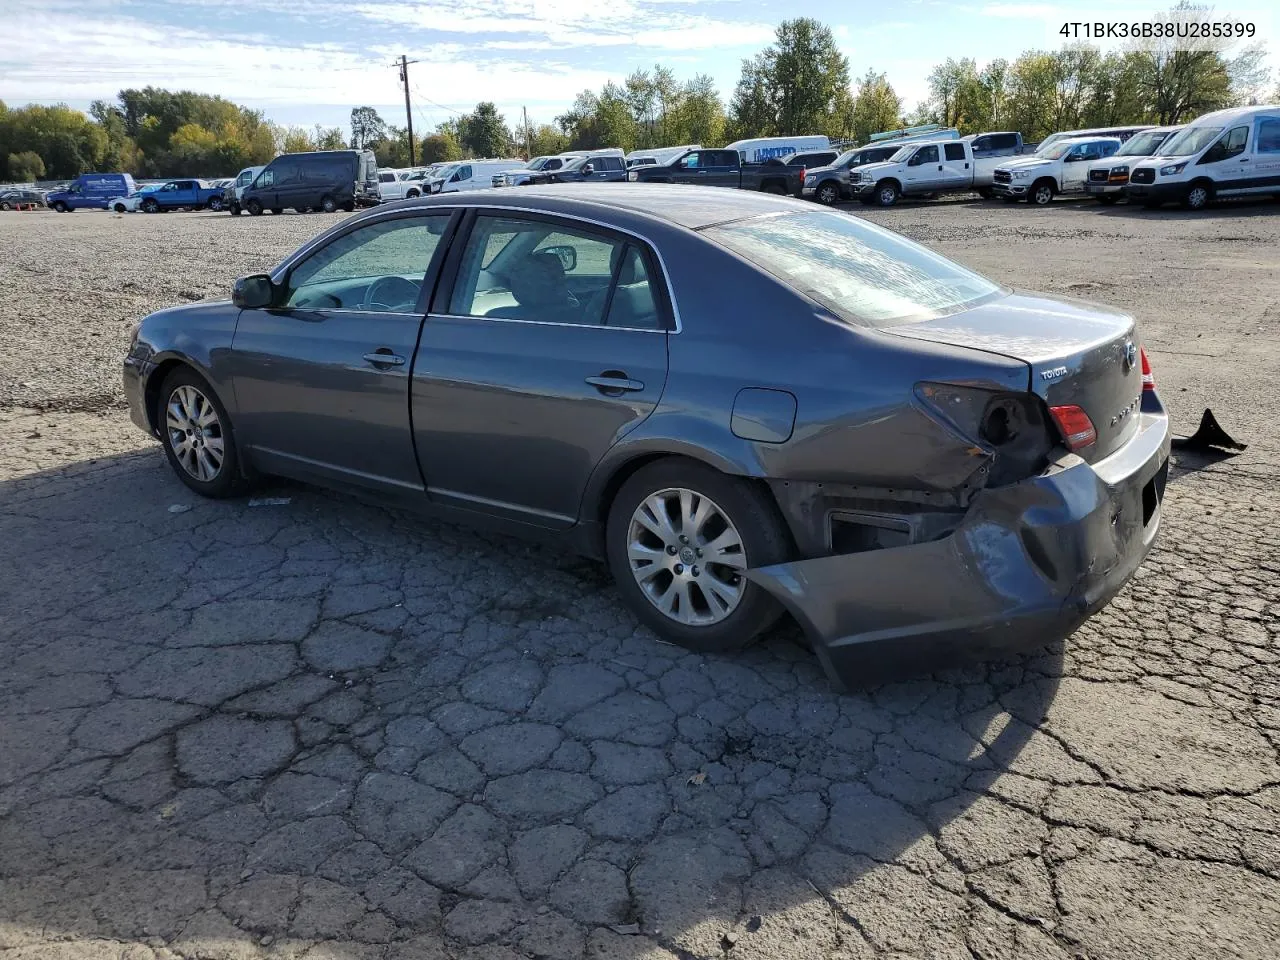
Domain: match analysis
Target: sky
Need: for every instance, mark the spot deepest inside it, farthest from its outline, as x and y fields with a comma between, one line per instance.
x=309, y=61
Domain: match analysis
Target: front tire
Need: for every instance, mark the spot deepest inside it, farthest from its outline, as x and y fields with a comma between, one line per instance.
x=1105, y=200
x=121, y=208
x=887, y=194
x=679, y=537
x=276, y=211
x=1041, y=193
x=150, y=206
x=1198, y=197
x=59, y=206
x=986, y=193
x=828, y=193
x=254, y=207
x=328, y=205
x=215, y=204
x=197, y=435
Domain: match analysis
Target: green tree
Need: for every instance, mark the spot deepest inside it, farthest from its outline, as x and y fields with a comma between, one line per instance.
x=484, y=132
x=394, y=150
x=438, y=147
x=701, y=118
x=297, y=140
x=798, y=85
x=876, y=107
x=329, y=138
x=25, y=166
x=367, y=128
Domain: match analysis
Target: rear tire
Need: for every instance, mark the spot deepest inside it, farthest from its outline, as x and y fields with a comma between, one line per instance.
x=276, y=211
x=328, y=205
x=349, y=206
x=198, y=439
x=254, y=207
x=726, y=506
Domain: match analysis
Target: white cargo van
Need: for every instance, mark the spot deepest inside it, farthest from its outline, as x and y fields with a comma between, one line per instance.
x=1228, y=153
x=468, y=175
x=1106, y=180
x=769, y=148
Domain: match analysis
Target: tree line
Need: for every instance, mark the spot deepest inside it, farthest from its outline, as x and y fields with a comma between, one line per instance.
x=799, y=84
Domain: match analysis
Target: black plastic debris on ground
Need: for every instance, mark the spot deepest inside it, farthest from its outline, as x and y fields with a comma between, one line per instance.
x=1209, y=436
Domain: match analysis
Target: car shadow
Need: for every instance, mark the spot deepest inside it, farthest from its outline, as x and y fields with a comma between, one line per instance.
x=245, y=727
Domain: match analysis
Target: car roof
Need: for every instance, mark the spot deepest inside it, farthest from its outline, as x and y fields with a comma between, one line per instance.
x=679, y=204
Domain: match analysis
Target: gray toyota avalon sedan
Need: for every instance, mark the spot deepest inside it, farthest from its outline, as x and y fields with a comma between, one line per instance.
x=742, y=403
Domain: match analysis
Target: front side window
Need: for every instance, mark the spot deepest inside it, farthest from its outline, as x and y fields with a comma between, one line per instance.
x=692, y=161
x=858, y=271
x=542, y=272
x=1231, y=145
x=955, y=151
x=267, y=178
x=379, y=267
x=927, y=154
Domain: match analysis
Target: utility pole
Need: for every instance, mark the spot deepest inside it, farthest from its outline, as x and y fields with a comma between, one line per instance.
x=528, y=135
x=408, y=113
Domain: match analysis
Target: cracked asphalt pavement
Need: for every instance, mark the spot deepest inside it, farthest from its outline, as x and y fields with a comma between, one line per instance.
x=321, y=729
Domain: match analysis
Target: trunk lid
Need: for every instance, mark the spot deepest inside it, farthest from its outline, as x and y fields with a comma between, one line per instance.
x=1077, y=353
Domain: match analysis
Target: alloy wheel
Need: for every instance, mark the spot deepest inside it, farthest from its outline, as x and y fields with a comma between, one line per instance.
x=195, y=433
x=687, y=557
x=1198, y=197
x=1042, y=195
x=827, y=194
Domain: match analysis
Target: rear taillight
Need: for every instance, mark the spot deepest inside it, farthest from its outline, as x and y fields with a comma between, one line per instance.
x=1148, y=379
x=1075, y=425
x=803, y=171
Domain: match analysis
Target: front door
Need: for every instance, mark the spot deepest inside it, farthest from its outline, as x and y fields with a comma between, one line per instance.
x=1228, y=162
x=550, y=347
x=322, y=381
x=923, y=170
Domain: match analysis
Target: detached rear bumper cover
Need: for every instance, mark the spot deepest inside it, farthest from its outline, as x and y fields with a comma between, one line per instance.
x=1029, y=563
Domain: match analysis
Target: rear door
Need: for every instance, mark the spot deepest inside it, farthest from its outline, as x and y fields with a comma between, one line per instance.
x=724, y=169
x=527, y=373
x=322, y=381
x=957, y=172
x=1266, y=154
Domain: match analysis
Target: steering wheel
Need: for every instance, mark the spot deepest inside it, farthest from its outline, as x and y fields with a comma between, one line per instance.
x=391, y=295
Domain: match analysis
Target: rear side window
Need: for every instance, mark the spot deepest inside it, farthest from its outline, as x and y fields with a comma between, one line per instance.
x=553, y=165
x=858, y=271
x=955, y=151
x=1267, y=137
x=726, y=158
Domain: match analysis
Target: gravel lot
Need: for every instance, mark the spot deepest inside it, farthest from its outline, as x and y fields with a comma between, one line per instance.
x=322, y=729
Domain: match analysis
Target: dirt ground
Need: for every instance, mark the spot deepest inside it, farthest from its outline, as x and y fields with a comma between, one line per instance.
x=321, y=729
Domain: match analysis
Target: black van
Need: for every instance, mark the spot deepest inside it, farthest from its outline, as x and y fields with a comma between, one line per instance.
x=324, y=180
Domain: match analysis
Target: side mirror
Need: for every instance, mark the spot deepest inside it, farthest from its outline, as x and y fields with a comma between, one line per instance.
x=567, y=255
x=253, y=292
x=588, y=169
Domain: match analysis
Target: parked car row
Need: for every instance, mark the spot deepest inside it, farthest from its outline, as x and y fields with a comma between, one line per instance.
x=12, y=198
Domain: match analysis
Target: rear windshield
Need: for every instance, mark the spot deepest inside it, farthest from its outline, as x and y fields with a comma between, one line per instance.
x=859, y=272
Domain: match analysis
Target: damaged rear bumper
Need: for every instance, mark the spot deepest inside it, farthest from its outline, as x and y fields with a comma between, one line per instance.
x=1027, y=565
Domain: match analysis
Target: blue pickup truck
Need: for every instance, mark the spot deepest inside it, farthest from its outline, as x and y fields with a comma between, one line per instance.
x=194, y=194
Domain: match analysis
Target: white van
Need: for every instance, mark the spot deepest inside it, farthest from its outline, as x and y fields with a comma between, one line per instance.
x=1228, y=153
x=470, y=175
x=768, y=148
x=1107, y=179
x=233, y=191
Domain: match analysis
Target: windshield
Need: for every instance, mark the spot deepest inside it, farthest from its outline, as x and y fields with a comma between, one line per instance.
x=844, y=159
x=1189, y=141
x=1056, y=151
x=1142, y=145
x=537, y=163
x=902, y=153
x=860, y=272
x=575, y=164
x=447, y=170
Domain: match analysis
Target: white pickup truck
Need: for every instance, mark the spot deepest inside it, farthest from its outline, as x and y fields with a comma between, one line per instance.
x=1062, y=168
x=924, y=169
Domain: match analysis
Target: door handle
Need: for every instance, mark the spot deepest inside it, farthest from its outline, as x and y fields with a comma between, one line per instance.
x=614, y=383
x=384, y=358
